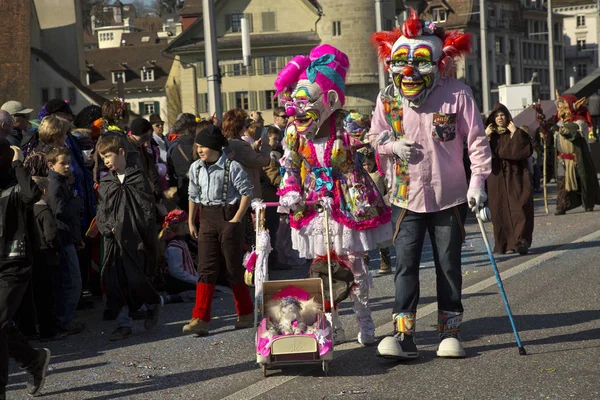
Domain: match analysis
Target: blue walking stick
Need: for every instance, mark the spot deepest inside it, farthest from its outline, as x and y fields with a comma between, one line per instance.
x=484, y=216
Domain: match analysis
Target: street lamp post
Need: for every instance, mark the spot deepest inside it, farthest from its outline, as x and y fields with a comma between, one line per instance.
x=551, y=51
x=212, y=66
x=485, y=83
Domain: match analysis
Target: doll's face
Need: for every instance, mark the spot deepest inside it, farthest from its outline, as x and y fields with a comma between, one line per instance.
x=310, y=107
x=414, y=67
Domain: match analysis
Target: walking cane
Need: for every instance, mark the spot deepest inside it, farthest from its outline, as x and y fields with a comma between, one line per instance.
x=484, y=216
x=545, y=139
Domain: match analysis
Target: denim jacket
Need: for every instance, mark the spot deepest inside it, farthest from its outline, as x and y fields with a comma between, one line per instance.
x=206, y=184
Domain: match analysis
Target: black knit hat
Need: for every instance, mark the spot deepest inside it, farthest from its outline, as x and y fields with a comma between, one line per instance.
x=140, y=126
x=212, y=137
x=58, y=105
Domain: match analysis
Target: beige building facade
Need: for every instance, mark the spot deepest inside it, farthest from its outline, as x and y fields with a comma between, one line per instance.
x=279, y=31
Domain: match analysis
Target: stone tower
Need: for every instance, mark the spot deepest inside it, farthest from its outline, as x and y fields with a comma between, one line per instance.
x=348, y=25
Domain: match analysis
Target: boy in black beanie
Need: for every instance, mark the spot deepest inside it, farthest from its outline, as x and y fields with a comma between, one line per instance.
x=17, y=193
x=220, y=191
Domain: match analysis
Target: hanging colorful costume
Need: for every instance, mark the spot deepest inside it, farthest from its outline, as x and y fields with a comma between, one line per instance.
x=575, y=171
x=319, y=158
x=418, y=128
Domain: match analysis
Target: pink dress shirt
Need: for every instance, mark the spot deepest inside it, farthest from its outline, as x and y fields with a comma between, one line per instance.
x=436, y=173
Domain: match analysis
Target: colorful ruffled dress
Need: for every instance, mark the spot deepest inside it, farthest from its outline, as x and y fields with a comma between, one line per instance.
x=360, y=219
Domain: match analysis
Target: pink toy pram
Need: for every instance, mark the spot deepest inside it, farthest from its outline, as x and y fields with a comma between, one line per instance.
x=309, y=348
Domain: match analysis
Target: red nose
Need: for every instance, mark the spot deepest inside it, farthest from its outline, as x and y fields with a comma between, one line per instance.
x=408, y=71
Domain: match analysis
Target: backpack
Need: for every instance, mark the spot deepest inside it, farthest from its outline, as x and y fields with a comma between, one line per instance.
x=11, y=248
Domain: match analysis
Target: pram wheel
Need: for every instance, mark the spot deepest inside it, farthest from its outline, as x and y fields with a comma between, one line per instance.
x=326, y=367
x=264, y=370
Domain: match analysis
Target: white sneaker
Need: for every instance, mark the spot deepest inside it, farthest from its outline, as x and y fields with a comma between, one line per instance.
x=398, y=347
x=451, y=347
x=366, y=336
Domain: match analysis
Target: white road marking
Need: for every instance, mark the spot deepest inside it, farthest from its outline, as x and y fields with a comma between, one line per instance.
x=264, y=385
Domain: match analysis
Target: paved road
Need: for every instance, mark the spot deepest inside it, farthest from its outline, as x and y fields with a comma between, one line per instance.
x=553, y=293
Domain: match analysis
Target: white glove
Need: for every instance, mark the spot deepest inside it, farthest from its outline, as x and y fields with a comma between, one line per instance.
x=476, y=198
x=291, y=200
x=384, y=137
x=404, y=149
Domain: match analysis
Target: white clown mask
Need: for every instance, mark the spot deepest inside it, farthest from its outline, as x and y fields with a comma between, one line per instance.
x=310, y=107
x=414, y=67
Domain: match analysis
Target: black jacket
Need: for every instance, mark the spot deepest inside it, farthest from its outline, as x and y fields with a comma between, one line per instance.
x=66, y=208
x=179, y=161
x=45, y=234
x=18, y=192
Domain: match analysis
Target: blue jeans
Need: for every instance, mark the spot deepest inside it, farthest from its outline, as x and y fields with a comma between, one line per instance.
x=68, y=286
x=446, y=231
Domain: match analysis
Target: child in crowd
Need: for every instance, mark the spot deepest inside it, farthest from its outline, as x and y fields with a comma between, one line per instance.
x=370, y=165
x=220, y=191
x=46, y=263
x=270, y=180
x=181, y=270
x=18, y=192
x=66, y=208
x=126, y=219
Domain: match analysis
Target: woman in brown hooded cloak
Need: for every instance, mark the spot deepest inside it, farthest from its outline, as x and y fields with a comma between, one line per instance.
x=509, y=184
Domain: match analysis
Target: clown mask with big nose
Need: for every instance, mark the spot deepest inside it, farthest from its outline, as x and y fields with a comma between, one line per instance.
x=414, y=67
x=310, y=107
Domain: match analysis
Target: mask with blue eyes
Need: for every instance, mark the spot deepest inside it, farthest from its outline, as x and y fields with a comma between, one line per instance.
x=413, y=67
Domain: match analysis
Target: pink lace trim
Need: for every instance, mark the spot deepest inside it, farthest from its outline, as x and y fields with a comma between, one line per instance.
x=288, y=189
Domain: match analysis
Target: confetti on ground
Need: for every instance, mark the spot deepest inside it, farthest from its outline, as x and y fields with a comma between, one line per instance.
x=548, y=370
x=217, y=342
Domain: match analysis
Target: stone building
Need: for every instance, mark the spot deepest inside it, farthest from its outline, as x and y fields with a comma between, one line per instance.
x=279, y=30
x=42, y=53
x=580, y=35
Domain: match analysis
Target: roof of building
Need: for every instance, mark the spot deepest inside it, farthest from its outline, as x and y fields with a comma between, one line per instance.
x=152, y=24
x=102, y=62
x=62, y=72
x=258, y=41
x=104, y=13
x=457, y=13
x=566, y=3
x=191, y=7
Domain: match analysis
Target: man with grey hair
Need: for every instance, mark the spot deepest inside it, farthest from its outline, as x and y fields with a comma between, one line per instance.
x=20, y=117
x=6, y=127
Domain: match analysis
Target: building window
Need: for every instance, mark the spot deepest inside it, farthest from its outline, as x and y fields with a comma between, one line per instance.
x=439, y=15
x=58, y=93
x=580, y=20
x=239, y=70
x=241, y=100
x=268, y=21
x=72, y=96
x=106, y=36
x=45, y=96
x=149, y=108
x=337, y=28
x=236, y=22
x=271, y=100
x=118, y=76
x=499, y=45
x=270, y=65
x=147, y=75
x=580, y=44
x=581, y=71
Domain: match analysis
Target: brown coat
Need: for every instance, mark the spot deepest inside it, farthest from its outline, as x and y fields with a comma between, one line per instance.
x=509, y=190
x=252, y=161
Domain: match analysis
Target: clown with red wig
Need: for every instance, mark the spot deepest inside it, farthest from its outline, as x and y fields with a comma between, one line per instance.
x=575, y=171
x=418, y=128
x=321, y=162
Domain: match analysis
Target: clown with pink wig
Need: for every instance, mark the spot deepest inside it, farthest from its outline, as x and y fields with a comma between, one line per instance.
x=418, y=129
x=319, y=158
